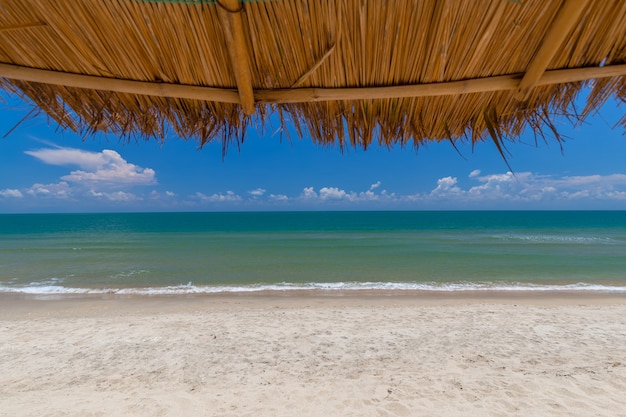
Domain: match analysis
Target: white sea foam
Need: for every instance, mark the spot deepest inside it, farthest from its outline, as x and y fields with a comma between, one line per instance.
x=316, y=286
x=51, y=282
x=129, y=273
x=555, y=239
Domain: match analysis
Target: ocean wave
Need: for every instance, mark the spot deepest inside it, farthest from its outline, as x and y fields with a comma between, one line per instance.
x=317, y=287
x=129, y=273
x=560, y=239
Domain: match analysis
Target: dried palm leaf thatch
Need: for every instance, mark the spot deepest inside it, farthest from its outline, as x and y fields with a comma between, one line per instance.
x=350, y=72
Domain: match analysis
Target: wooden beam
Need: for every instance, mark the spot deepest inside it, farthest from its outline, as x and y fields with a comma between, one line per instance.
x=476, y=85
x=567, y=16
x=302, y=95
x=232, y=25
x=91, y=82
x=572, y=75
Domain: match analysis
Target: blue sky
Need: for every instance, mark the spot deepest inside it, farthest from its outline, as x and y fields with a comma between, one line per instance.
x=45, y=169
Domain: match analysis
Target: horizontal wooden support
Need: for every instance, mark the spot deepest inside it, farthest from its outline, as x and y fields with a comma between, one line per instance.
x=67, y=79
x=476, y=85
x=303, y=95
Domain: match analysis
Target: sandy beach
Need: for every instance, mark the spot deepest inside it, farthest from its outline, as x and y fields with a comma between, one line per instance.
x=372, y=354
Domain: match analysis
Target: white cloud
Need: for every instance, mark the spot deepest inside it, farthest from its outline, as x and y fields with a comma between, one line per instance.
x=616, y=195
x=309, y=192
x=116, y=196
x=157, y=195
x=495, y=186
x=446, y=186
x=230, y=196
x=606, y=181
x=101, y=176
x=332, y=193
x=105, y=168
x=121, y=196
x=257, y=192
x=338, y=194
x=279, y=197
x=60, y=190
x=8, y=192
x=528, y=187
x=70, y=156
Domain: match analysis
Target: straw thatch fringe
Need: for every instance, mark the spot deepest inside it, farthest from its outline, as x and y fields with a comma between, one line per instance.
x=353, y=123
x=389, y=72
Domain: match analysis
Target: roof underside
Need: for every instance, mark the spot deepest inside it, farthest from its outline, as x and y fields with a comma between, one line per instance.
x=347, y=71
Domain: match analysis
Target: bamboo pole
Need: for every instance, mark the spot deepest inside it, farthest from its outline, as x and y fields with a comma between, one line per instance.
x=301, y=95
x=561, y=26
x=92, y=82
x=476, y=85
x=232, y=25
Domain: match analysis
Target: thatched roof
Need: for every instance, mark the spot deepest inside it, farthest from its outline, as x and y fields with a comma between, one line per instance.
x=348, y=71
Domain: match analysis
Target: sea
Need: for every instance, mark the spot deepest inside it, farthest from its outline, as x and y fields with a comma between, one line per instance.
x=185, y=253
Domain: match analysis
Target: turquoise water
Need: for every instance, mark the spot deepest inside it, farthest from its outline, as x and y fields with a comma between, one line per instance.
x=213, y=252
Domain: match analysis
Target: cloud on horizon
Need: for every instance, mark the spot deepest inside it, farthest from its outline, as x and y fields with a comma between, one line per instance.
x=228, y=197
x=116, y=196
x=338, y=194
x=59, y=190
x=278, y=197
x=257, y=192
x=102, y=176
x=105, y=168
x=106, y=176
x=527, y=187
x=11, y=193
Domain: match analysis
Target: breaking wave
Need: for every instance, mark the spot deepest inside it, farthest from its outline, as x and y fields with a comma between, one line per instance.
x=316, y=287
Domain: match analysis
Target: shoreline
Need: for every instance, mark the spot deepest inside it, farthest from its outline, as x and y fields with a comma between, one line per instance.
x=16, y=304
x=372, y=353
x=324, y=288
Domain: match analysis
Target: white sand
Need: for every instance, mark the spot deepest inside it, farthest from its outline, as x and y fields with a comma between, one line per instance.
x=314, y=356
